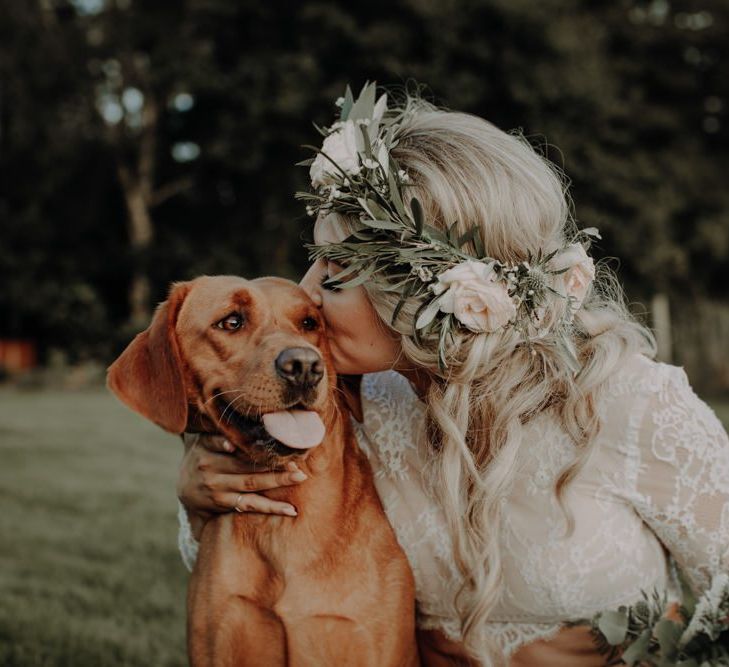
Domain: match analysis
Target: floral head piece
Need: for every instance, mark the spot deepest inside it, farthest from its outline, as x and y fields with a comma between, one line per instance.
x=354, y=174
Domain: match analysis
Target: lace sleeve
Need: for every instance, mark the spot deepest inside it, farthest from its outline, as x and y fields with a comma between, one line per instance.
x=187, y=544
x=682, y=482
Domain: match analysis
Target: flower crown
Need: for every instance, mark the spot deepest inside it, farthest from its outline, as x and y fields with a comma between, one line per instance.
x=354, y=174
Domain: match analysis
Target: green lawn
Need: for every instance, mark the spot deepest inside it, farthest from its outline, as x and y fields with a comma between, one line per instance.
x=89, y=569
x=721, y=407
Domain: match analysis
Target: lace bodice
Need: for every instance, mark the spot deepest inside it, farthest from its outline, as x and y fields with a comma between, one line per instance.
x=656, y=484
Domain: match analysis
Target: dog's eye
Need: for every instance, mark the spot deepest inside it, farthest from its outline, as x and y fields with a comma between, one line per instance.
x=309, y=324
x=232, y=322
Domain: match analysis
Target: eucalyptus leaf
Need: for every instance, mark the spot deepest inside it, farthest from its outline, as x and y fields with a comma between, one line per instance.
x=638, y=650
x=614, y=626
x=667, y=633
x=690, y=662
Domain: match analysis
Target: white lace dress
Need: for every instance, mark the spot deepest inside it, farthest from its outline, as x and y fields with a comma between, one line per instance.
x=654, y=491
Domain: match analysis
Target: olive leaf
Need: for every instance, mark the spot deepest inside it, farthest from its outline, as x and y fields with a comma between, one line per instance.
x=358, y=280
x=375, y=210
x=380, y=224
x=406, y=294
x=427, y=312
x=417, y=215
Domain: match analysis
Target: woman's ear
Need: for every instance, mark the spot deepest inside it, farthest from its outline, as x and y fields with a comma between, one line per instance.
x=148, y=377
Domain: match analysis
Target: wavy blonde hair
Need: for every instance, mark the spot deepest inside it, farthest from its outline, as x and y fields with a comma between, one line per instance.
x=464, y=168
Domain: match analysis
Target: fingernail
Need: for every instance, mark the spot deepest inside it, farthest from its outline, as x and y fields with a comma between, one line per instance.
x=290, y=510
x=228, y=446
x=291, y=466
x=298, y=476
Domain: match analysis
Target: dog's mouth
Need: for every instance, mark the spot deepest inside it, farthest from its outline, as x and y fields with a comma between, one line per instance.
x=289, y=432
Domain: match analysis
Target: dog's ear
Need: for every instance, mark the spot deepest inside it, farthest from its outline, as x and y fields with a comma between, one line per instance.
x=147, y=377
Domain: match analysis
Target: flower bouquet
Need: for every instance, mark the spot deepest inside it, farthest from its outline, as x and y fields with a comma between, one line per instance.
x=694, y=633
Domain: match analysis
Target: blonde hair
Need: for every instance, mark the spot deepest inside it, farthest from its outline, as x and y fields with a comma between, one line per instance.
x=465, y=169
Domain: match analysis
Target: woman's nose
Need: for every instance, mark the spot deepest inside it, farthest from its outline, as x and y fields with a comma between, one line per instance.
x=310, y=283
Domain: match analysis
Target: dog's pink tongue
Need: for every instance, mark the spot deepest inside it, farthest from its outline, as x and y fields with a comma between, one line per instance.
x=296, y=428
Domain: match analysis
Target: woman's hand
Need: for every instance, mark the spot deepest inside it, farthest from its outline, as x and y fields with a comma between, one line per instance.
x=214, y=479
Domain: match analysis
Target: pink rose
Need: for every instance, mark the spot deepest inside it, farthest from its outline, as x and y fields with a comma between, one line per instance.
x=473, y=292
x=579, y=275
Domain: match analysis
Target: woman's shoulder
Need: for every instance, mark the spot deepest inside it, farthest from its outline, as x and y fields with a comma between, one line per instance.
x=387, y=386
x=656, y=402
x=642, y=377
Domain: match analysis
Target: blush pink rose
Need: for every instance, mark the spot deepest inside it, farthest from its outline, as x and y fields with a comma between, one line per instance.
x=473, y=292
x=579, y=275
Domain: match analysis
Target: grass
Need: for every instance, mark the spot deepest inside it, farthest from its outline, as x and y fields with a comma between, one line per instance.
x=721, y=407
x=89, y=569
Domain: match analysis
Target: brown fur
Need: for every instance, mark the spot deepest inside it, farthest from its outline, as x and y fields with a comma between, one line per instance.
x=329, y=587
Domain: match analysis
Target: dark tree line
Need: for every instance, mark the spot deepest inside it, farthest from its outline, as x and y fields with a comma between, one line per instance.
x=149, y=141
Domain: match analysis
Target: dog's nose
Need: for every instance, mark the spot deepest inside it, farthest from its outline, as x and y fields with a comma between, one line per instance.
x=301, y=366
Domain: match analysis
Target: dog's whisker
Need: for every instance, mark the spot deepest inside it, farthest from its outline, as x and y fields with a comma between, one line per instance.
x=230, y=404
x=220, y=393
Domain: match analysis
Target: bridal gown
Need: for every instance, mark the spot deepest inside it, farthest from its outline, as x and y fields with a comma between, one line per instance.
x=653, y=495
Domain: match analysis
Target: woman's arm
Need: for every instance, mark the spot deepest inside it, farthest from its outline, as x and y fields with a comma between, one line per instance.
x=682, y=486
x=214, y=479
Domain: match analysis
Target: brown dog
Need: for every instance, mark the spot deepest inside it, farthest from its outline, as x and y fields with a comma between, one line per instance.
x=249, y=359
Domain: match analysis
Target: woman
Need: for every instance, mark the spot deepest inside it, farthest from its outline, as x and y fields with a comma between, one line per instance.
x=536, y=464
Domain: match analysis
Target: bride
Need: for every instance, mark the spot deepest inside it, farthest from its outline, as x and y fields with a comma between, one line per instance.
x=537, y=465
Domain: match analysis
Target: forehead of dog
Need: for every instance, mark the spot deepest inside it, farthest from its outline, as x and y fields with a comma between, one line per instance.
x=263, y=301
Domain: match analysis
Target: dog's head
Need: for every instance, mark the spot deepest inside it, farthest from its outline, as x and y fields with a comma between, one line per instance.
x=245, y=358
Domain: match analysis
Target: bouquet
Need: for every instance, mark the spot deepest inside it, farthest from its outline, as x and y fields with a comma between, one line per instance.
x=693, y=633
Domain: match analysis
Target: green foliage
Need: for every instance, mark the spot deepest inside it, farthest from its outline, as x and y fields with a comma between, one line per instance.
x=631, y=92
x=694, y=633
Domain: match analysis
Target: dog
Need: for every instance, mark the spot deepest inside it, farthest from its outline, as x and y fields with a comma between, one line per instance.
x=249, y=359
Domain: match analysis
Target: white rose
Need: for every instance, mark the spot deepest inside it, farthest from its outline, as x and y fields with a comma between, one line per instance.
x=580, y=272
x=473, y=292
x=342, y=147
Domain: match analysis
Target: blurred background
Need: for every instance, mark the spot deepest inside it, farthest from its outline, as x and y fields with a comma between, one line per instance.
x=143, y=142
